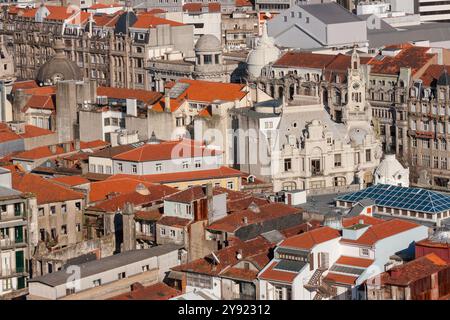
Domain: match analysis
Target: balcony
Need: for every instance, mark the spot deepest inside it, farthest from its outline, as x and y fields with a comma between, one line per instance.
x=11, y=243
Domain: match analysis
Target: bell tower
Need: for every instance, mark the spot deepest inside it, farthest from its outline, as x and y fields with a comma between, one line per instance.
x=357, y=108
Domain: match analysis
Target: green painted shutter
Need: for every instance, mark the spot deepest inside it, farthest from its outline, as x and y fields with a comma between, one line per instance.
x=20, y=263
x=19, y=234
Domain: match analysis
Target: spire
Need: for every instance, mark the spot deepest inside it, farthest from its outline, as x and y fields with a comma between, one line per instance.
x=59, y=48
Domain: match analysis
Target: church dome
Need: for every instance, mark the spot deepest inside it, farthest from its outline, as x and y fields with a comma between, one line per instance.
x=208, y=43
x=59, y=67
x=265, y=52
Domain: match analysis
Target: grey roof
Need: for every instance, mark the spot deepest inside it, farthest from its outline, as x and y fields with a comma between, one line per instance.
x=273, y=236
x=330, y=13
x=98, y=266
x=251, y=113
x=433, y=32
x=8, y=192
x=322, y=204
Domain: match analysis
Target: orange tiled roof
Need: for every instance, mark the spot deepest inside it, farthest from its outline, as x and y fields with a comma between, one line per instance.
x=105, y=6
x=243, y=3
x=304, y=59
x=101, y=189
x=340, y=278
x=353, y=261
x=70, y=180
x=106, y=20
x=148, y=97
x=6, y=134
x=432, y=74
x=204, y=91
x=190, y=194
x=27, y=84
x=240, y=274
x=270, y=211
x=39, y=102
x=151, y=215
x=311, y=238
x=166, y=150
x=277, y=275
x=228, y=257
x=348, y=222
x=383, y=230
x=174, y=222
x=420, y=268
x=411, y=57
x=147, y=21
x=220, y=173
x=156, y=194
x=158, y=291
x=45, y=190
x=46, y=152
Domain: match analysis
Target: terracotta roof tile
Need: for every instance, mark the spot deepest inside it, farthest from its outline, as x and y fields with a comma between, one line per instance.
x=383, y=230
x=222, y=172
x=235, y=221
x=151, y=215
x=308, y=240
x=420, y=268
x=148, y=97
x=240, y=274
x=228, y=257
x=158, y=291
x=45, y=190
x=101, y=189
x=147, y=21
x=277, y=275
x=304, y=59
x=340, y=278
x=190, y=194
x=6, y=133
x=174, y=222
x=347, y=222
x=353, y=261
x=166, y=150
x=70, y=180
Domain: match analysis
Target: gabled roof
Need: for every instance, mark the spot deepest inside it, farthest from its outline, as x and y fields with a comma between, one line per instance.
x=304, y=60
x=420, y=268
x=228, y=257
x=381, y=231
x=414, y=199
x=145, y=96
x=347, y=222
x=175, y=222
x=45, y=190
x=70, y=181
x=157, y=291
x=155, y=193
x=273, y=274
x=308, y=240
x=220, y=173
x=166, y=150
x=354, y=261
x=260, y=214
x=147, y=21
x=190, y=194
x=101, y=189
x=7, y=134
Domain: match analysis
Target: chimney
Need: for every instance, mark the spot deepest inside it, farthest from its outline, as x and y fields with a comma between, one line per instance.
x=167, y=101
x=77, y=144
x=128, y=228
x=209, y=200
x=136, y=286
x=245, y=220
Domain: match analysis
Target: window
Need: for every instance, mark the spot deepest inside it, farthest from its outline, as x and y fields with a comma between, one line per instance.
x=92, y=167
x=158, y=167
x=53, y=209
x=368, y=155
x=198, y=164
x=64, y=208
x=287, y=164
x=268, y=125
x=41, y=211
x=53, y=233
x=307, y=19
x=107, y=122
x=278, y=293
x=121, y=275
x=119, y=167
x=172, y=233
x=108, y=169
x=97, y=282
x=78, y=205
x=207, y=59
x=163, y=231
x=337, y=160
x=42, y=234
x=199, y=281
x=185, y=165
x=64, y=229
x=100, y=168
x=145, y=268
x=364, y=252
x=70, y=291
x=230, y=185
x=179, y=121
x=78, y=227
x=134, y=168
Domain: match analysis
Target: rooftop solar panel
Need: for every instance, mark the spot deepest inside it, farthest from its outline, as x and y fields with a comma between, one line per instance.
x=290, y=265
x=415, y=199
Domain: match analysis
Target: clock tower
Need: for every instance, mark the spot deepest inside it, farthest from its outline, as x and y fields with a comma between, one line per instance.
x=357, y=108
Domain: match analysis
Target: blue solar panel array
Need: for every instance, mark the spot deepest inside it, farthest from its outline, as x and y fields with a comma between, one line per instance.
x=414, y=199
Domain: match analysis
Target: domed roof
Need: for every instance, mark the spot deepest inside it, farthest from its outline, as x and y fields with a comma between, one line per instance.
x=125, y=21
x=389, y=167
x=59, y=67
x=265, y=53
x=208, y=43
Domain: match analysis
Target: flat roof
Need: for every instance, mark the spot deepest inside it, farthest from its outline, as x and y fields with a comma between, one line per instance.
x=98, y=266
x=330, y=13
